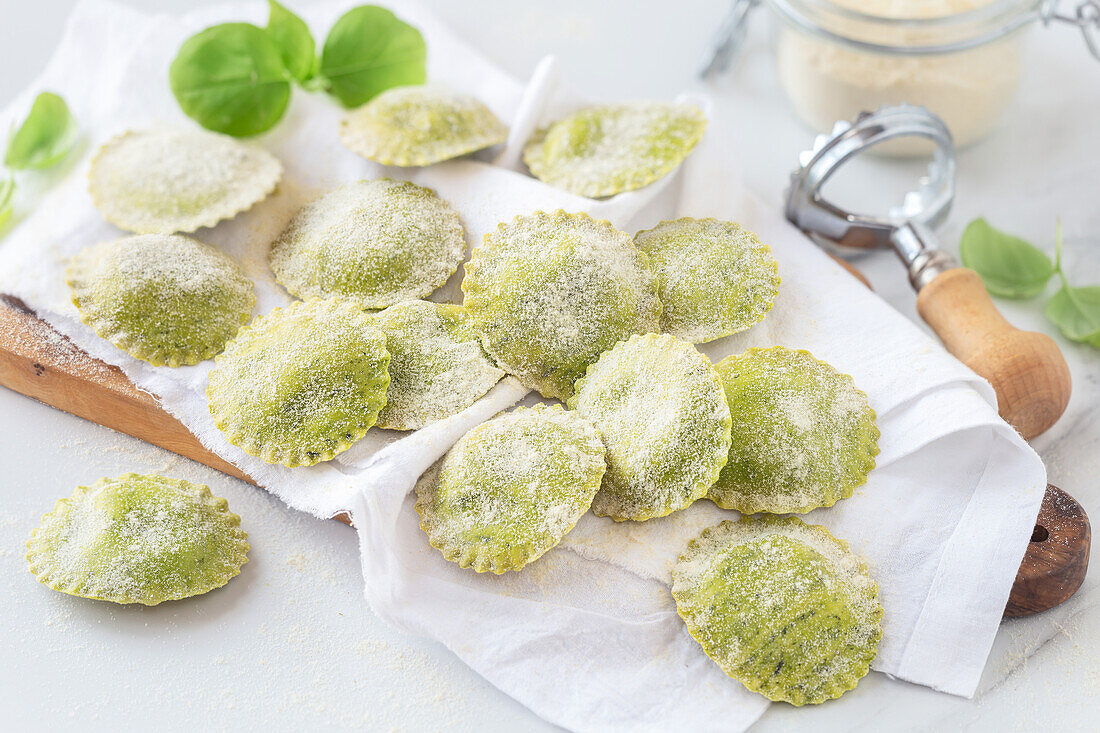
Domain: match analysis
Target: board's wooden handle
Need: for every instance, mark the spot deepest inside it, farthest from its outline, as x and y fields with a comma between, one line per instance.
x=1056, y=558
x=1027, y=369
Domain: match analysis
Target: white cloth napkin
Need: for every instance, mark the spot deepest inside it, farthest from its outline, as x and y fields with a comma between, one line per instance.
x=587, y=637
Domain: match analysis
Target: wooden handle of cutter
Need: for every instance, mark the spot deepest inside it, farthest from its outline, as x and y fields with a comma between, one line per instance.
x=1027, y=369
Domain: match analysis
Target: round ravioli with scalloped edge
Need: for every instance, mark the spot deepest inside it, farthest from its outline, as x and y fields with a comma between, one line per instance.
x=420, y=125
x=717, y=278
x=138, y=539
x=166, y=299
x=511, y=488
x=437, y=365
x=379, y=241
x=609, y=149
x=301, y=384
x=550, y=292
x=781, y=606
x=803, y=435
x=659, y=406
x=167, y=180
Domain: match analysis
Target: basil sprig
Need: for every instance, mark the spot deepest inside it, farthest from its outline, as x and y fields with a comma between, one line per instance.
x=236, y=78
x=1013, y=268
x=43, y=140
x=45, y=137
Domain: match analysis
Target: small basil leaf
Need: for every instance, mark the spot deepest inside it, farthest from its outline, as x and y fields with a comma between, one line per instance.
x=7, y=194
x=1009, y=266
x=230, y=78
x=293, y=39
x=1076, y=311
x=370, y=50
x=45, y=137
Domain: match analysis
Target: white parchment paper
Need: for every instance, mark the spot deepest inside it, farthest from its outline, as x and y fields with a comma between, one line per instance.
x=587, y=637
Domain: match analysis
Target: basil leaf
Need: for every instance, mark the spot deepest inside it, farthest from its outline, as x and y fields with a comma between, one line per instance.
x=230, y=78
x=1076, y=312
x=7, y=194
x=292, y=37
x=45, y=137
x=1009, y=266
x=370, y=50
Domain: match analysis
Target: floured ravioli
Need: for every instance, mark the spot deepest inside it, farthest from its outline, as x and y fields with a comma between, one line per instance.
x=167, y=299
x=138, y=539
x=302, y=383
x=659, y=405
x=420, y=125
x=781, y=606
x=605, y=150
x=716, y=277
x=379, y=241
x=511, y=488
x=167, y=180
x=803, y=435
x=437, y=366
x=551, y=292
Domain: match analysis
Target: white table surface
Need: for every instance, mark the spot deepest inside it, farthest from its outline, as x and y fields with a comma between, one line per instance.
x=290, y=644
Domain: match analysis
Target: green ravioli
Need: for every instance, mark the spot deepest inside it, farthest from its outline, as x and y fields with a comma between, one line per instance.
x=659, y=405
x=609, y=149
x=138, y=539
x=302, y=383
x=717, y=278
x=803, y=435
x=167, y=299
x=782, y=606
x=437, y=365
x=550, y=292
x=511, y=488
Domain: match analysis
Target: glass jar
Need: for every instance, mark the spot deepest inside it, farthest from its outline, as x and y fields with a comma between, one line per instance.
x=960, y=58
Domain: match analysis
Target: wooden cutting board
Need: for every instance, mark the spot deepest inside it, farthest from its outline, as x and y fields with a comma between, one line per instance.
x=39, y=362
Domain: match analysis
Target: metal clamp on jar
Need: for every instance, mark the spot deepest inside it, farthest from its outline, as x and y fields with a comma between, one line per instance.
x=960, y=58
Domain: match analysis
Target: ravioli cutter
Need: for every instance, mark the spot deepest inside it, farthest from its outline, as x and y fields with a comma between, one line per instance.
x=1025, y=368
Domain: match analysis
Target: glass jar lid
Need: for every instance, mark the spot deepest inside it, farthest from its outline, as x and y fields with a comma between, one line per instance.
x=925, y=35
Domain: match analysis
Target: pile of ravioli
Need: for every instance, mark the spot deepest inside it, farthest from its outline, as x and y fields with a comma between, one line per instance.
x=603, y=322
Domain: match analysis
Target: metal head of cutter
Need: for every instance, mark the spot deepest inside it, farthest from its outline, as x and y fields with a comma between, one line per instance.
x=906, y=228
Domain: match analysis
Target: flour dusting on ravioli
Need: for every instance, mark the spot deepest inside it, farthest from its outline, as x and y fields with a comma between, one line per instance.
x=166, y=299
x=717, y=278
x=437, y=365
x=659, y=405
x=551, y=292
x=609, y=149
x=803, y=435
x=511, y=488
x=782, y=606
x=379, y=241
x=168, y=180
x=138, y=539
x=420, y=125
x=301, y=384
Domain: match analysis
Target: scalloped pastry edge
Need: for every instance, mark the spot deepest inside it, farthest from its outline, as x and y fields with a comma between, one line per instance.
x=473, y=268
x=39, y=564
x=479, y=559
x=77, y=280
x=747, y=505
x=837, y=552
x=705, y=481
x=242, y=202
x=279, y=455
